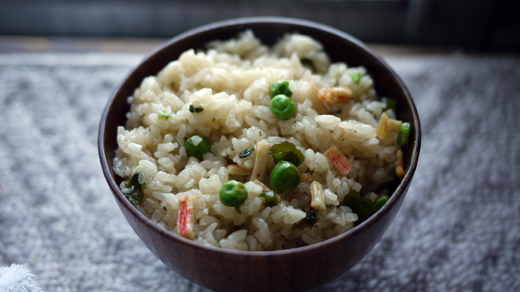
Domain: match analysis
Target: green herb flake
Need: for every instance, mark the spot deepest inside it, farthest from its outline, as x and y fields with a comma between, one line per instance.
x=308, y=63
x=330, y=207
x=362, y=206
x=163, y=115
x=246, y=152
x=390, y=104
x=286, y=151
x=310, y=218
x=260, y=133
x=356, y=78
x=270, y=198
x=196, y=109
x=135, y=196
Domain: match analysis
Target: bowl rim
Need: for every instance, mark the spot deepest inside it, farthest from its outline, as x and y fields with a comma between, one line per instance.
x=399, y=191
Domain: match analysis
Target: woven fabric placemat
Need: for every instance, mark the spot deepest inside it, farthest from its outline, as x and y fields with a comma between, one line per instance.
x=458, y=228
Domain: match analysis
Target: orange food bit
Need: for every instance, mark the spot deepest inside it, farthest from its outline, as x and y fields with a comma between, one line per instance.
x=306, y=177
x=320, y=105
x=387, y=126
x=398, y=163
x=334, y=95
x=339, y=160
x=185, y=216
x=381, y=127
x=392, y=126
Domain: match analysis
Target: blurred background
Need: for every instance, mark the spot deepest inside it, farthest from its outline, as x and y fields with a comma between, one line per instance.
x=490, y=25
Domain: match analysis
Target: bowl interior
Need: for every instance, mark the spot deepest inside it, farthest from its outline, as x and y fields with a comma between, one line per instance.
x=338, y=45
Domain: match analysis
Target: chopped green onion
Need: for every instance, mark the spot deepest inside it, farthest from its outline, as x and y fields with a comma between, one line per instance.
x=380, y=201
x=390, y=104
x=356, y=78
x=286, y=156
x=403, y=133
x=135, y=196
x=163, y=115
x=246, y=152
x=361, y=206
x=270, y=198
x=286, y=151
x=196, y=109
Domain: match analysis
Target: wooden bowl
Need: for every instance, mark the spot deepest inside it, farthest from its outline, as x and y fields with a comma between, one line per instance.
x=286, y=270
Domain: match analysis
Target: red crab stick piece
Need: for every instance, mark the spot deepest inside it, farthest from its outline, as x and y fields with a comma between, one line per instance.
x=185, y=216
x=339, y=160
x=261, y=159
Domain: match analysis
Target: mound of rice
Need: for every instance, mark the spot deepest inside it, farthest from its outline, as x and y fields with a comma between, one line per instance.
x=231, y=82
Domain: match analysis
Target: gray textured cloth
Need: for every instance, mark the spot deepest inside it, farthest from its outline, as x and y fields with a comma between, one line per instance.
x=458, y=229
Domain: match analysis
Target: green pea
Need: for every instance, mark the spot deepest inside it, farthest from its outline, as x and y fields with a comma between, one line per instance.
x=282, y=107
x=197, y=149
x=285, y=177
x=403, y=133
x=380, y=201
x=233, y=193
x=280, y=87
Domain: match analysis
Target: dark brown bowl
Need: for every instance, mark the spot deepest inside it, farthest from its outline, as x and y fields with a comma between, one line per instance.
x=287, y=270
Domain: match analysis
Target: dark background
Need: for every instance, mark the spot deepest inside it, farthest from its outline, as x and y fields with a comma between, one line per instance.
x=482, y=24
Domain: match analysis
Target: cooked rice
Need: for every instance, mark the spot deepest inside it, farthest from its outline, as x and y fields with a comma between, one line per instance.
x=231, y=81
